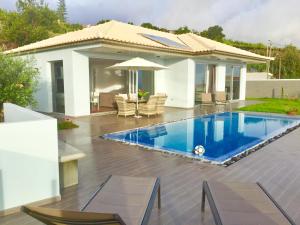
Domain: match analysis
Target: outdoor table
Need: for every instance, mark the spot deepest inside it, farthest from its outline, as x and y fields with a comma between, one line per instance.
x=136, y=105
x=139, y=101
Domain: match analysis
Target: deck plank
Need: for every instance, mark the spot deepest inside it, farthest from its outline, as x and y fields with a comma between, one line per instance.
x=276, y=166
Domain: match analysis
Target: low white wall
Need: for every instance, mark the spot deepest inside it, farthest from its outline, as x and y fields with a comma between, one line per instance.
x=273, y=88
x=29, y=170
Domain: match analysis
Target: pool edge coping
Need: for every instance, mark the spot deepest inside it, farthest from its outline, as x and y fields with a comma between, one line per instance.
x=224, y=163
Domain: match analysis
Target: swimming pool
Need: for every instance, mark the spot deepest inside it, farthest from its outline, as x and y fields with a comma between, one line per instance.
x=222, y=135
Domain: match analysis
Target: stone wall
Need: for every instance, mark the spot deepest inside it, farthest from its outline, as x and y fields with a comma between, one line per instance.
x=290, y=88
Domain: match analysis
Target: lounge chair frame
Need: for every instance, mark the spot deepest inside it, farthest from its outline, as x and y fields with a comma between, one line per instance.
x=56, y=216
x=207, y=193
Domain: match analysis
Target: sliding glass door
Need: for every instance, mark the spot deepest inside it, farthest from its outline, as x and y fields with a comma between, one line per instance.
x=232, y=83
x=205, y=80
x=145, y=81
x=58, y=93
x=200, y=81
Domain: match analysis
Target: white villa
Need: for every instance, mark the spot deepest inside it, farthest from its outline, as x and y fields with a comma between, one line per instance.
x=72, y=67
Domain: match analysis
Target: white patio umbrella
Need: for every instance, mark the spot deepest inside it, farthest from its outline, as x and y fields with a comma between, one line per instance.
x=137, y=64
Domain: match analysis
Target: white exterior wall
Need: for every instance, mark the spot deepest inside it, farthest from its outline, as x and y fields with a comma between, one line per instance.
x=243, y=81
x=220, y=77
x=43, y=59
x=29, y=169
x=80, y=98
x=76, y=81
x=177, y=82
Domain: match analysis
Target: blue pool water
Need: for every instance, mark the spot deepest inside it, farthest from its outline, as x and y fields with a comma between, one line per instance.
x=223, y=135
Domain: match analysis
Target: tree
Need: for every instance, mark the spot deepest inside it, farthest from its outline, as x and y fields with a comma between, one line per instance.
x=290, y=60
x=182, y=30
x=103, y=21
x=33, y=21
x=150, y=26
x=214, y=33
x=62, y=10
x=18, y=81
x=23, y=4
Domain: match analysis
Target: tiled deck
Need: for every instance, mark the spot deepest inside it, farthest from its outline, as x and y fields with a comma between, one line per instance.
x=276, y=166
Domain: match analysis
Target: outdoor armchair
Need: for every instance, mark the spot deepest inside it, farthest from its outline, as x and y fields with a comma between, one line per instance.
x=160, y=106
x=206, y=98
x=220, y=97
x=149, y=108
x=124, y=108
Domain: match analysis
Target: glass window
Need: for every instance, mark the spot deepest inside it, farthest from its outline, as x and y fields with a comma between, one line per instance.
x=236, y=82
x=200, y=81
x=58, y=96
x=146, y=81
x=200, y=78
x=232, y=83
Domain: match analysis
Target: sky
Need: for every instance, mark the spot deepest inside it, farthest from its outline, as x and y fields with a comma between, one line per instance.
x=243, y=20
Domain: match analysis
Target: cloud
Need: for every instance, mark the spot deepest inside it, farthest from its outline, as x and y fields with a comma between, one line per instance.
x=247, y=20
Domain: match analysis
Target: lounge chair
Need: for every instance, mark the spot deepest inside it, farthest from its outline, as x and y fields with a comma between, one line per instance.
x=124, y=108
x=243, y=203
x=160, y=105
x=206, y=98
x=149, y=108
x=123, y=200
x=220, y=97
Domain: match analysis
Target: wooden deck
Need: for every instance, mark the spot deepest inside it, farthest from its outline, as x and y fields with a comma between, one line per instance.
x=276, y=166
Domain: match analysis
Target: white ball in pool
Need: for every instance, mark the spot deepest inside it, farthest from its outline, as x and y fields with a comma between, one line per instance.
x=199, y=150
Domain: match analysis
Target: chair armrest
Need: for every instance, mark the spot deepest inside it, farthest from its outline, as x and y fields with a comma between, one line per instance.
x=53, y=216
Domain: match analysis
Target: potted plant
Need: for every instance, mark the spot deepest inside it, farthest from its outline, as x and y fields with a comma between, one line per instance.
x=142, y=93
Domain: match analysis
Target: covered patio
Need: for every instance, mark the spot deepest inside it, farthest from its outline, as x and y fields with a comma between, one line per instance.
x=276, y=166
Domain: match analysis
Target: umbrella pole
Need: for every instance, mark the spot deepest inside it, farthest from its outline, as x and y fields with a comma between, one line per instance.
x=137, y=94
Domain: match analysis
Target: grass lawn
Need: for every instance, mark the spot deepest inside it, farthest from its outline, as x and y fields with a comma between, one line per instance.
x=271, y=105
x=62, y=125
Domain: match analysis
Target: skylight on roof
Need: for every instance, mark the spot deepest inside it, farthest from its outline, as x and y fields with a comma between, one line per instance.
x=165, y=41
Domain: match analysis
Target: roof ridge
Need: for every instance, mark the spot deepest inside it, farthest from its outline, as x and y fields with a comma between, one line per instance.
x=104, y=33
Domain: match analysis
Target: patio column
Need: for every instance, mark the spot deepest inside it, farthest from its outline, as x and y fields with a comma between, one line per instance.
x=78, y=99
x=243, y=82
x=220, y=77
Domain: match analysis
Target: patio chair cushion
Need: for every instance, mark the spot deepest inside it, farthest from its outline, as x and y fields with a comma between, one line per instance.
x=132, y=96
x=126, y=196
x=206, y=98
x=125, y=96
x=120, y=200
x=220, y=96
x=242, y=203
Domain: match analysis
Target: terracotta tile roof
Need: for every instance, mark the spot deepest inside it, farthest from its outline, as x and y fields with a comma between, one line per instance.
x=125, y=33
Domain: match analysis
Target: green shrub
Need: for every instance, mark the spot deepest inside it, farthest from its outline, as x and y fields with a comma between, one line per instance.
x=62, y=125
x=18, y=81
